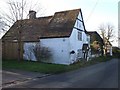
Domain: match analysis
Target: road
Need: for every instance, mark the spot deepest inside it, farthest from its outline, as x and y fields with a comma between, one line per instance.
x=102, y=75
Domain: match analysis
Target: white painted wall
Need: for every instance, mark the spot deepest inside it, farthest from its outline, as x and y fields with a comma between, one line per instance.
x=75, y=44
x=59, y=48
x=111, y=51
x=28, y=53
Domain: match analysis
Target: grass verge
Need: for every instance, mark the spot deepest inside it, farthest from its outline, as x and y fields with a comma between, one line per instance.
x=49, y=68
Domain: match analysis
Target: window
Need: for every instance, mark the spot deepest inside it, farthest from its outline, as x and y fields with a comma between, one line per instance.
x=88, y=39
x=79, y=24
x=80, y=36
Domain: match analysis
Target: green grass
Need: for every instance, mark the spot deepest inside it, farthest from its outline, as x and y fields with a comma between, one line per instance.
x=49, y=68
x=33, y=66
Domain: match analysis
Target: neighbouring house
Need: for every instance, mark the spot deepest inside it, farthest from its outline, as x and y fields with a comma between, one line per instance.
x=107, y=47
x=96, y=44
x=64, y=34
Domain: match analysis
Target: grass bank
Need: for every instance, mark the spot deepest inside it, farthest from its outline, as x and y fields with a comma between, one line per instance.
x=49, y=68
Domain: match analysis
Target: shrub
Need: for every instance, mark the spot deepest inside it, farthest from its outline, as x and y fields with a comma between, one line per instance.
x=96, y=47
x=116, y=52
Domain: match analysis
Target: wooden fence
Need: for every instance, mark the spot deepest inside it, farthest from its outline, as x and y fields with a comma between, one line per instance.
x=10, y=50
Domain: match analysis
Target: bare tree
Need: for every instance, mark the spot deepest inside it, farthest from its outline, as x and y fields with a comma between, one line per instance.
x=102, y=30
x=17, y=12
x=107, y=33
x=2, y=25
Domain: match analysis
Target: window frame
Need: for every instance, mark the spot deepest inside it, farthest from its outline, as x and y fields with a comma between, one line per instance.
x=79, y=36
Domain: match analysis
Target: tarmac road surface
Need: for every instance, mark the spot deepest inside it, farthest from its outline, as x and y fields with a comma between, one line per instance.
x=102, y=75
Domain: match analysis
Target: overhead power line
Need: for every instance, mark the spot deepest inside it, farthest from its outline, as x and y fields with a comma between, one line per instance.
x=92, y=10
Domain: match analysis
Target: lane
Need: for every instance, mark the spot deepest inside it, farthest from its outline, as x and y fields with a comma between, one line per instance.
x=106, y=77
x=103, y=75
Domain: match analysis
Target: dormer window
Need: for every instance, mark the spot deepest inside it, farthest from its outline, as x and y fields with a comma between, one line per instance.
x=80, y=36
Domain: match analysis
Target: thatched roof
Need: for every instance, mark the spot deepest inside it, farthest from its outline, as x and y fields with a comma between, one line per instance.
x=59, y=25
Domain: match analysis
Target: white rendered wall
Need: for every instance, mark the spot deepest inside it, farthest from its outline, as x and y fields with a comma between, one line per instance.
x=59, y=48
x=111, y=51
x=28, y=53
x=75, y=44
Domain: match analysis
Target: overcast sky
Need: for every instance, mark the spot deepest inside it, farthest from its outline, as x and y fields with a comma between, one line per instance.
x=94, y=12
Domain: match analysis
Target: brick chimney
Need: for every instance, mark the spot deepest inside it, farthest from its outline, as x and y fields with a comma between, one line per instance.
x=32, y=14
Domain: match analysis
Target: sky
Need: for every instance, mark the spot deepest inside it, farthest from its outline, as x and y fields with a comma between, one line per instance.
x=95, y=12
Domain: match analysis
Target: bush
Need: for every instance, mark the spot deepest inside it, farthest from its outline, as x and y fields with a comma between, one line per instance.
x=96, y=47
x=116, y=52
